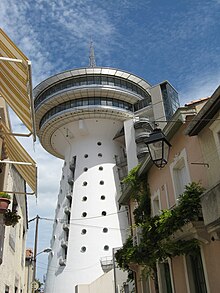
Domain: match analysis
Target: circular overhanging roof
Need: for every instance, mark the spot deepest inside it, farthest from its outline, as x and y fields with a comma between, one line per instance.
x=65, y=117
x=90, y=71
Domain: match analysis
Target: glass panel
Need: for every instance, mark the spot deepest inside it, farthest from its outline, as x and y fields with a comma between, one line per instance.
x=97, y=79
x=91, y=101
x=104, y=80
x=109, y=102
x=97, y=101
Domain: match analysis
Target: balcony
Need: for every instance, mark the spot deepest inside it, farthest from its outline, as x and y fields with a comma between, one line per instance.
x=67, y=210
x=64, y=244
x=141, y=135
x=69, y=196
x=192, y=230
x=62, y=262
x=143, y=123
x=142, y=150
x=210, y=201
x=72, y=166
x=70, y=180
x=106, y=263
x=66, y=227
x=120, y=162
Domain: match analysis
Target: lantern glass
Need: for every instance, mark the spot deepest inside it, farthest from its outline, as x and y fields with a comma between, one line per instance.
x=158, y=147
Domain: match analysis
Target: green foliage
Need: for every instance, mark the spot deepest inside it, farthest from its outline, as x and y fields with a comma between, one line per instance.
x=11, y=218
x=141, y=193
x=132, y=178
x=157, y=241
x=5, y=195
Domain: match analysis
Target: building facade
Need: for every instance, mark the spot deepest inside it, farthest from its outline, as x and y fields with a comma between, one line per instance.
x=12, y=239
x=17, y=169
x=194, y=157
x=88, y=117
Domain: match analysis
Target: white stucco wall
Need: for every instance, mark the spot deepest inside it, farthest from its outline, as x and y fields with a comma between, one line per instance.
x=84, y=267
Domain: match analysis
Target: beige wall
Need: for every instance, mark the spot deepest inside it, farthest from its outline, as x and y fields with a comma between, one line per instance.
x=211, y=254
x=210, y=154
x=162, y=179
x=178, y=270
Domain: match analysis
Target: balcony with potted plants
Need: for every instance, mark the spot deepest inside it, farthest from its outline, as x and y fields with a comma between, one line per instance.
x=10, y=217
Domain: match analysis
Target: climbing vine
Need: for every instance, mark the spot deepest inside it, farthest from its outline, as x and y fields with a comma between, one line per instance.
x=157, y=241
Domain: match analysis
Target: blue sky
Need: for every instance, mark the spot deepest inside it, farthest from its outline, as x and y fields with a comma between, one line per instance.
x=158, y=40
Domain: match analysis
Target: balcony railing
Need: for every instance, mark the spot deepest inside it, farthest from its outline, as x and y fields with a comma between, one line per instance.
x=106, y=263
x=62, y=262
x=66, y=227
x=64, y=243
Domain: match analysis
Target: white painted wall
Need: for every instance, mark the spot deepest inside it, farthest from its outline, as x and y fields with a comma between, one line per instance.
x=84, y=268
x=131, y=147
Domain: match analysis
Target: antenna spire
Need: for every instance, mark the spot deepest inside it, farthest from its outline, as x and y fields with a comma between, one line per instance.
x=92, y=56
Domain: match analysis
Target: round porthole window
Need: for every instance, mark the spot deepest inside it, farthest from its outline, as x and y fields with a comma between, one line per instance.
x=101, y=182
x=100, y=168
x=86, y=156
x=85, y=183
x=99, y=143
x=84, y=198
x=83, y=249
x=106, y=247
x=84, y=214
x=105, y=230
x=83, y=231
x=104, y=213
x=102, y=197
x=100, y=155
x=85, y=169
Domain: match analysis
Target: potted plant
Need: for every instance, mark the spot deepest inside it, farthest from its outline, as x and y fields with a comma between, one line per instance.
x=4, y=201
x=11, y=218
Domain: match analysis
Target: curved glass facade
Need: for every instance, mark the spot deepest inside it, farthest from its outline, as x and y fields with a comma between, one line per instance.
x=91, y=80
x=86, y=102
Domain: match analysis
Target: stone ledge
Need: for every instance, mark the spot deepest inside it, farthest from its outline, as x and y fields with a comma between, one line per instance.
x=195, y=229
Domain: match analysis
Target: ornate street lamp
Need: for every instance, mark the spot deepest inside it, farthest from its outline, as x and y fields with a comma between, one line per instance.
x=158, y=147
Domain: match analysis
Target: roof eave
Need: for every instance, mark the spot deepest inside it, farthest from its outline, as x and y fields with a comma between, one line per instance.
x=209, y=110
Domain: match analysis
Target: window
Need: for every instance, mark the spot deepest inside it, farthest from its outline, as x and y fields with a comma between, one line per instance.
x=84, y=198
x=105, y=230
x=180, y=173
x=99, y=143
x=84, y=214
x=83, y=249
x=165, y=277
x=85, y=183
x=85, y=169
x=104, y=213
x=106, y=247
x=101, y=182
x=6, y=289
x=156, y=205
x=86, y=156
x=195, y=273
x=102, y=197
x=99, y=155
x=100, y=168
x=83, y=231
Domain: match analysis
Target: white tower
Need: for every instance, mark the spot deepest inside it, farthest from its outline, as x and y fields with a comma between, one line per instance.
x=81, y=117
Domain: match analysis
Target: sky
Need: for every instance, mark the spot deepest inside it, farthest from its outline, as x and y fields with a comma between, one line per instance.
x=157, y=40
